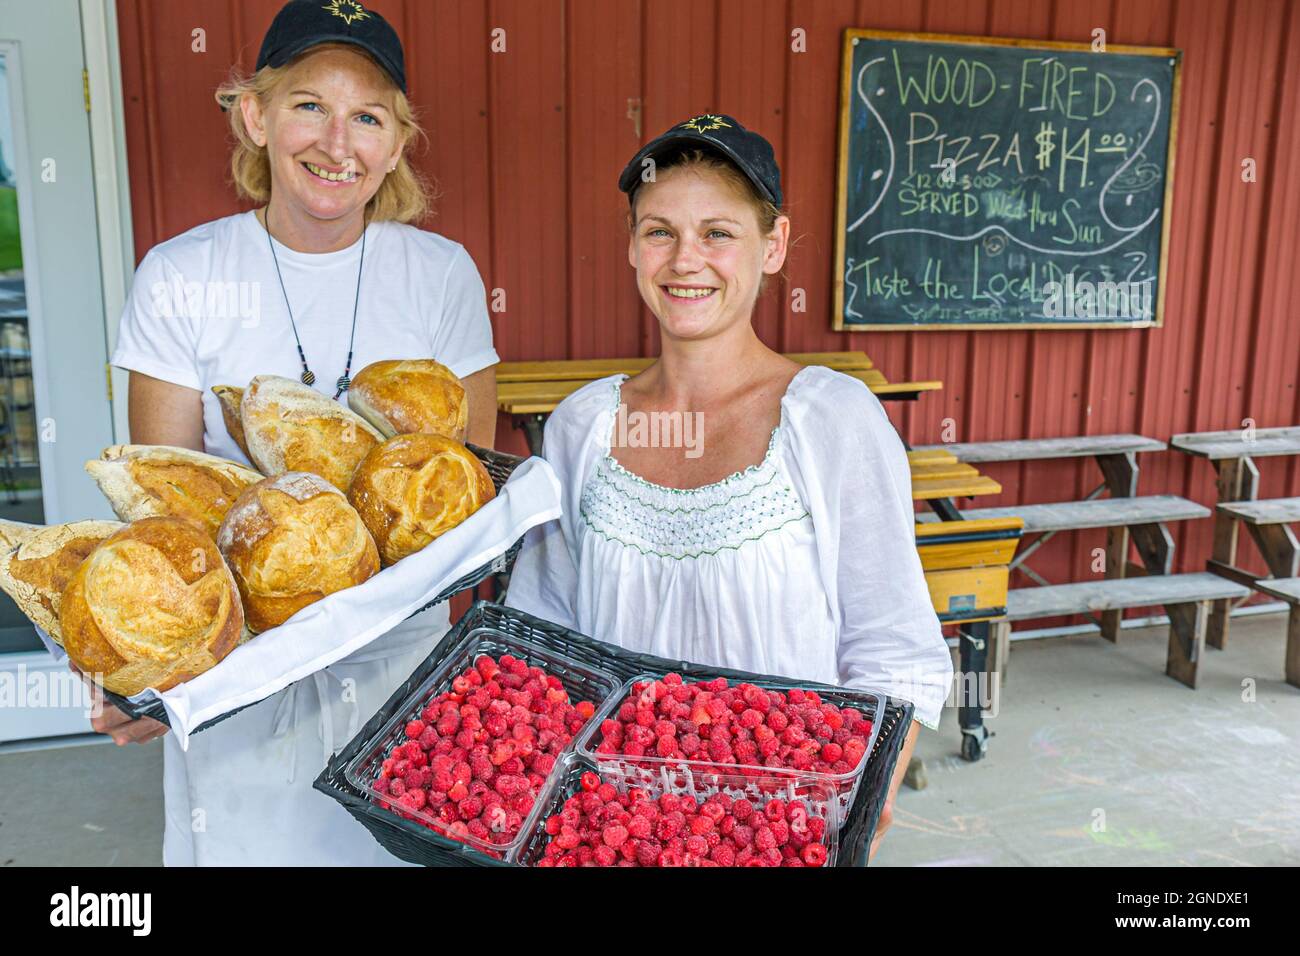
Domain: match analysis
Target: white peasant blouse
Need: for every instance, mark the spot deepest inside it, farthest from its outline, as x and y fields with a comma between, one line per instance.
x=802, y=566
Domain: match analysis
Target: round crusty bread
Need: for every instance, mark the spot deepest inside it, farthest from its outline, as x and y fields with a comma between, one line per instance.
x=290, y=540
x=35, y=573
x=289, y=426
x=413, y=488
x=14, y=533
x=152, y=606
x=404, y=396
x=149, y=481
x=230, y=398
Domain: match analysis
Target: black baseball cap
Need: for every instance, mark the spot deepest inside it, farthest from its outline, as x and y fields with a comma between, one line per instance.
x=303, y=24
x=751, y=153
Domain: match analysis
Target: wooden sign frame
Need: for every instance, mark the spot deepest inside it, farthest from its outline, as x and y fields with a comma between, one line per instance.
x=842, y=176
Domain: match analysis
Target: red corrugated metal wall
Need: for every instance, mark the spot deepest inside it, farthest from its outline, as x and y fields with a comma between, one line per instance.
x=526, y=146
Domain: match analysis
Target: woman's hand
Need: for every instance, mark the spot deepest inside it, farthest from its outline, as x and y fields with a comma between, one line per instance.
x=900, y=771
x=109, y=720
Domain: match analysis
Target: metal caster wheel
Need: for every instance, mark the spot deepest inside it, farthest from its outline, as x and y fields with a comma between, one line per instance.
x=974, y=746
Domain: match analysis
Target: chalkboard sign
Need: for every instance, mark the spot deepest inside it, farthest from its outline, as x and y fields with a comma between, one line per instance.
x=987, y=183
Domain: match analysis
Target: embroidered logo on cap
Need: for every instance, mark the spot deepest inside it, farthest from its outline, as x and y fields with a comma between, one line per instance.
x=705, y=123
x=348, y=10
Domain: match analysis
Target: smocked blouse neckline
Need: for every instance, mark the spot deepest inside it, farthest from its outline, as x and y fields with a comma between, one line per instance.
x=736, y=477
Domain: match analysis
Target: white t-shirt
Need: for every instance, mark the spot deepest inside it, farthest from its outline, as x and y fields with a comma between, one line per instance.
x=206, y=309
x=803, y=565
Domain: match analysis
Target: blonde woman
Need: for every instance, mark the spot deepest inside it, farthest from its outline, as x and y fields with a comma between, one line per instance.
x=324, y=277
x=780, y=539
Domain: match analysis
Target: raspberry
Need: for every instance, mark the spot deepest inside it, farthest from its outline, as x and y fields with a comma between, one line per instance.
x=774, y=810
x=700, y=824
x=697, y=846
x=413, y=799
x=742, y=809
x=764, y=839
x=590, y=781
x=647, y=852
x=831, y=752
x=469, y=808
x=668, y=827
x=723, y=855
x=567, y=838
x=781, y=832
x=814, y=854
x=605, y=856
x=586, y=708
x=750, y=719
x=742, y=836
x=614, y=836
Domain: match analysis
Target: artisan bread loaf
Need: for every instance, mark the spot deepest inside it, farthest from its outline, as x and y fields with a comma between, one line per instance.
x=230, y=397
x=404, y=396
x=291, y=427
x=290, y=540
x=148, y=481
x=14, y=533
x=36, y=572
x=152, y=606
x=413, y=488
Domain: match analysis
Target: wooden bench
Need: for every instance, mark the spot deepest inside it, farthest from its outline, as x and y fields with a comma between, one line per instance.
x=529, y=391
x=1232, y=454
x=1288, y=590
x=1094, y=513
x=1268, y=522
x=1185, y=597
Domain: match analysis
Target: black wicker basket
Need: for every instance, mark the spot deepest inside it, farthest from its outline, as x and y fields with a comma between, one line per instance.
x=412, y=842
x=499, y=466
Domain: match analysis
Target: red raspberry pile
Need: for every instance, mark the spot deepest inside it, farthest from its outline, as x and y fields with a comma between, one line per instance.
x=476, y=757
x=744, y=725
x=599, y=826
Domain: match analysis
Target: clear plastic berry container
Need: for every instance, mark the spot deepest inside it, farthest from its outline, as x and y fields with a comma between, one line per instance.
x=650, y=770
x=816, y=796
x=581, y=681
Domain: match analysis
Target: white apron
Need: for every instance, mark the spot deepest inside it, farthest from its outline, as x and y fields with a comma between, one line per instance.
x=242, y=794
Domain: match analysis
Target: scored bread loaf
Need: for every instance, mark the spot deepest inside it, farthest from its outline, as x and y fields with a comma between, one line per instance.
x=413, y=488
x=14, y=533
x=147, y=481
x=291, y=540
x=230, y=397
x=152, y=606
x=402, y=396
x=291, y=427
x=35, y=573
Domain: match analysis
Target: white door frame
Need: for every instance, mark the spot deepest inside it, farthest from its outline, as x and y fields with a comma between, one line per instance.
x=112, y=182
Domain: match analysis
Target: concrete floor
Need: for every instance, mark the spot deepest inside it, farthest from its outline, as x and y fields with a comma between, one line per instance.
x=1099, y=760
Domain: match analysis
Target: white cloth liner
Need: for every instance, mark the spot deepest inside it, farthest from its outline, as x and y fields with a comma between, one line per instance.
x=346, y=621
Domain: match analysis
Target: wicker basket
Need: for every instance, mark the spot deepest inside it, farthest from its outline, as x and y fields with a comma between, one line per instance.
x=499, y=466
x=414, y=843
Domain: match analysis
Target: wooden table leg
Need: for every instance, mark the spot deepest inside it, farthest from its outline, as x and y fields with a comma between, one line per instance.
x=1293, y=646
x=1187, y=624
x=1238, y=481
x=1121, y=474
x=534, y=428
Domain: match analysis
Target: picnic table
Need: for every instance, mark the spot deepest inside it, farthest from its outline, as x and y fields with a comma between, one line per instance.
x=530, y=391
x=1232, y=454
x=1126, y=517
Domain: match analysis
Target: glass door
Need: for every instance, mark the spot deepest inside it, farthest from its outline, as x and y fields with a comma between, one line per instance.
x=20, y=467
x=55, y=410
